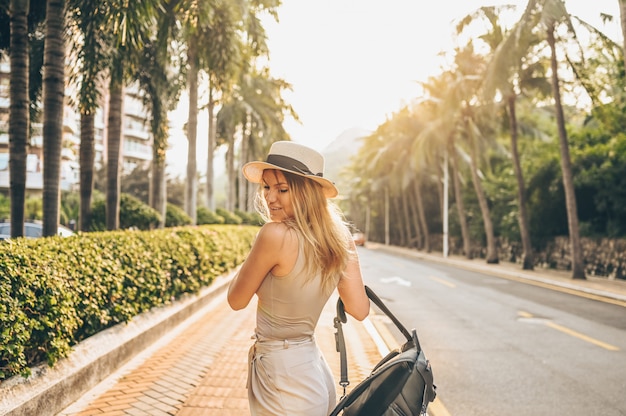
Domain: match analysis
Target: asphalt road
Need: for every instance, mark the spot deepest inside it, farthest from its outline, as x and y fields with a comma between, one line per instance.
x=500, y=347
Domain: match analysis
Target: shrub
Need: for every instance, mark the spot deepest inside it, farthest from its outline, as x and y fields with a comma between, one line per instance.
x=133, y=214
x=229, y=217
x=249, y=218
x=206, y=216
x=176, y=216
x=55, y=292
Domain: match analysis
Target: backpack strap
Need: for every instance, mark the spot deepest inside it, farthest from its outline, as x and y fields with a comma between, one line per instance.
x=340, y=343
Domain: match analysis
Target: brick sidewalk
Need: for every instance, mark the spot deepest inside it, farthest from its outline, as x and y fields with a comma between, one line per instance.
x=201, y=369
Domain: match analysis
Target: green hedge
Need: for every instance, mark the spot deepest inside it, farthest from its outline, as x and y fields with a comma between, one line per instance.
x=55, y=292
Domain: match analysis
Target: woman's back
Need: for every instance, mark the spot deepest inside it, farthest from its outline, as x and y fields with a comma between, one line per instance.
x=289, y=306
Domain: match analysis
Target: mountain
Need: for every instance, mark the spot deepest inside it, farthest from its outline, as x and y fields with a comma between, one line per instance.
x=339, y=152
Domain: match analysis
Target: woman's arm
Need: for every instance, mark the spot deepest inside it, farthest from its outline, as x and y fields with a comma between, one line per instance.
x=263, y=257
x=352, y=291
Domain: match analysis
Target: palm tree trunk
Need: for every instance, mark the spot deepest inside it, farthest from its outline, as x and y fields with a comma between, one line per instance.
x=460, y=206
x=53, y=100
x=492, y=254
x=243, y=158
x=386, y=215
x=114, y=146
x=444, y=206
x=19, y=115
x=422, y=215
x=622, y=13
x=405, y=225
x=578, y=268
x=158, y=199
x=230, y=169
x=210, y=169
x=86, y=160
x=527, y=256
x=191, y=190
x=419, y=236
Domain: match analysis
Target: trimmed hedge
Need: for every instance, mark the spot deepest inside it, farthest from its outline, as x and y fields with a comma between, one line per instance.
x=55, y=292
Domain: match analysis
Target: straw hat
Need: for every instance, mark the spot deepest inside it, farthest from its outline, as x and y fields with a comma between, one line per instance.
x=294, y=158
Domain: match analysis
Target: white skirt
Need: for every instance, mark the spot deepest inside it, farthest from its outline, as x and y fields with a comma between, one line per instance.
x=289, y=378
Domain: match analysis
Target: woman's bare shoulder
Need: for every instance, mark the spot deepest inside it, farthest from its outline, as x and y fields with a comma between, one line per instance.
x=276, y=233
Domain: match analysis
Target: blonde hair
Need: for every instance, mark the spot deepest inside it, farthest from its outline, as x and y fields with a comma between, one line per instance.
x=320, y=222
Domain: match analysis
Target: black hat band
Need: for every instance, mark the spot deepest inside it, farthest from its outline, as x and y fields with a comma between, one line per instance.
x=289, y=163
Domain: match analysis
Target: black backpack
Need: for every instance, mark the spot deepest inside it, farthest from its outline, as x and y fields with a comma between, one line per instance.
x=400, y=384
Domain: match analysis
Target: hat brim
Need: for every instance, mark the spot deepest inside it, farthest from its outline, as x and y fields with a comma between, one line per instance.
x=253, y=171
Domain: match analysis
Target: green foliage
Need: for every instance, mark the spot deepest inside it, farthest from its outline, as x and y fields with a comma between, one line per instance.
x=229, y=217
x=55, y=292
x=206, y=216
x=34, y=208
x=5, y=207
x=249, y=218
x=176, y=216
x=600, y=179
x=137, y=183
x=70, y=207
x=133, y=214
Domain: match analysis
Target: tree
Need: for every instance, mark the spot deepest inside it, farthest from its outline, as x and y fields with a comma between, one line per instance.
x=53, y=103
x=19, y=120
x=132, y=27
x=578, y=268
x=622, y=13
x=254, y=108
x=437, y=142
x=220, y=56
x=504, y=71
x=546, y=15
x=93, y=48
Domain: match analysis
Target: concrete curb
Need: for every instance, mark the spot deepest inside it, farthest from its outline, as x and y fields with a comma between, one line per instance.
x=493, y=270
x=49, y=390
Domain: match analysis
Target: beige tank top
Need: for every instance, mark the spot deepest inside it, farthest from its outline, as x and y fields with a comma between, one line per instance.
x=289, y=306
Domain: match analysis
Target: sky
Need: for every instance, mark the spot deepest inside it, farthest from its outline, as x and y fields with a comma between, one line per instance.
x=353, y=63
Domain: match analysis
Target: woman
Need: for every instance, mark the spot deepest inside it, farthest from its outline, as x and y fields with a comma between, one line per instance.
x=302, y=253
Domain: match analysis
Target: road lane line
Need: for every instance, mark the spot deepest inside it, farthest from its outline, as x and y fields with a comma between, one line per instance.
x=436, y=408
x=385, y=342
x=381, y=344
x=442, y=281
x=583, y=337
x=570, y=332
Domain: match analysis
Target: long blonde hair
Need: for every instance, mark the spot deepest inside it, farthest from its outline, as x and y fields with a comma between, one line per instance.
x=320, y=222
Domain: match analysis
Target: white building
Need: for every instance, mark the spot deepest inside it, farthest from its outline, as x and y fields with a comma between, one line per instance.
x=137, y=144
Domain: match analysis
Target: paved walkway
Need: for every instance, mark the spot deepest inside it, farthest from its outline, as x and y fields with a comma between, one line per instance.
x=200, y=368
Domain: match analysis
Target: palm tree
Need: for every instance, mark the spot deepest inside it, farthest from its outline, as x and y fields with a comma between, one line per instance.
x=159, y=77
x=231, y=40
x=437, y=141
x=19, y=120
x=195, y=22
x=132, y=27
x=92, y=55
x=256, y=109
x=264, y=110
x=578, y=268
x=191, y=188
x=504, y=71
x=545, y=15
x=469, y=67
x=220, y=56
x=53, y=103
x=622, y=13
x=159, y=92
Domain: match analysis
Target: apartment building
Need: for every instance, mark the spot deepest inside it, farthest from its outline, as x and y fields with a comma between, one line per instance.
x=136, y=150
